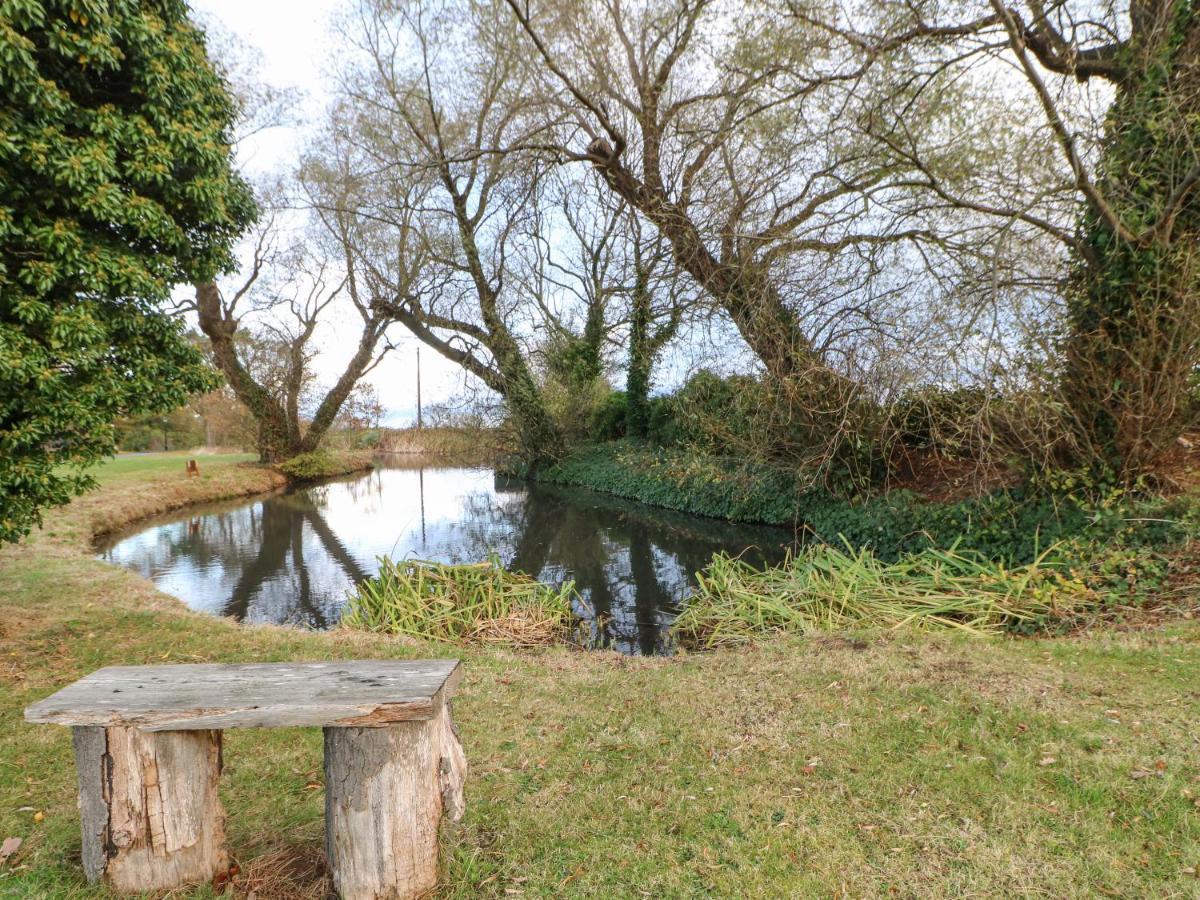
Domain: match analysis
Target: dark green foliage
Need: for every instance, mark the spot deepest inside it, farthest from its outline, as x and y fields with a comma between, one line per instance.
x=1133, y=302
x=637, y=390
x=1009, y=526
x=707, y=411
x=574, y=360
x=610, y=418
x=115, y=184
x=675, y=479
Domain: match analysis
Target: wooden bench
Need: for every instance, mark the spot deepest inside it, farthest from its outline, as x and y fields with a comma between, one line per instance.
x=148, y=751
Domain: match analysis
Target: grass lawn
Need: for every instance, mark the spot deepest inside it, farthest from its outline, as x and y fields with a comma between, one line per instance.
x=138, y=466
x=858, y=765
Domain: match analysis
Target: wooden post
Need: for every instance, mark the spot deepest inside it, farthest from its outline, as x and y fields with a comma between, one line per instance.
x=385, y=792
x=152, y=820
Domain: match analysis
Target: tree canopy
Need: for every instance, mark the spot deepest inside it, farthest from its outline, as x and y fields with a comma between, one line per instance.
x=116, y=183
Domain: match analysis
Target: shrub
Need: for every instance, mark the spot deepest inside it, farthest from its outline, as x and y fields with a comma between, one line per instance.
x=1013, y=526
x=367, y=440
x=610, y=418
x=708, y=411
x=573, y=406
x=682, y=480
x=937, y=418
x=324, y=464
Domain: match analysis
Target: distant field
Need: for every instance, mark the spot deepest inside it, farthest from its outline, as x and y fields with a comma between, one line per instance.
x=141, y=464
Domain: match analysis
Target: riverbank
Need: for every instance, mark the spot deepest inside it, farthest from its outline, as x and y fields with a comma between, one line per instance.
x=137, y=486
x=866, y=763
x=321, y=464
x=1011, y=524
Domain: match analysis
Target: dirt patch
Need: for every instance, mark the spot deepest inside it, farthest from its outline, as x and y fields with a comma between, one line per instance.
x=941, y=479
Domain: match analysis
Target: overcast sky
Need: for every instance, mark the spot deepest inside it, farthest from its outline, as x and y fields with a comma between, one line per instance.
x=297, y=42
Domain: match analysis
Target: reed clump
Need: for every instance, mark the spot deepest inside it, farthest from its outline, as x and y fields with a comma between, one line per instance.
x=824, y=588
x=476, y=603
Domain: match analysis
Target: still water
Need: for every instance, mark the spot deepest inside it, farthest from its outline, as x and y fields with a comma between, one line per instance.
x=291, y=558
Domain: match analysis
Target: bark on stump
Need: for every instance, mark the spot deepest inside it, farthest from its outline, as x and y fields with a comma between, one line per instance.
x=152, y=819
x=385, y=792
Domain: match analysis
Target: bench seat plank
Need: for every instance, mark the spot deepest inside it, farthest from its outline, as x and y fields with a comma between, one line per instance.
x=348, y=694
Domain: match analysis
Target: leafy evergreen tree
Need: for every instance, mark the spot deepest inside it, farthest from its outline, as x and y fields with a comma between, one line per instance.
x=115, y=184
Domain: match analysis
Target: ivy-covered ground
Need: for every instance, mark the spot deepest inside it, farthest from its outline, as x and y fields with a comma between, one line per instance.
x=866, y=764
x=1012, y=523
x=1134, y=552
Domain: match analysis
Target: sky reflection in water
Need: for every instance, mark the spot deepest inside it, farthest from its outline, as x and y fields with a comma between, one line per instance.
x=291, y=558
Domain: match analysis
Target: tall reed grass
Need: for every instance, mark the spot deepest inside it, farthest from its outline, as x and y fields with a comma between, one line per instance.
x=474, y=603
x=824, y=588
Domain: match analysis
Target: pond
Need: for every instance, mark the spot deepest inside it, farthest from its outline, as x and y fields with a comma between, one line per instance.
x=291, y=558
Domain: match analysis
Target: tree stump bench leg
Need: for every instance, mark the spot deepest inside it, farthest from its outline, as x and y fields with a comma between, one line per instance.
x=152, y=820
x=385, y=792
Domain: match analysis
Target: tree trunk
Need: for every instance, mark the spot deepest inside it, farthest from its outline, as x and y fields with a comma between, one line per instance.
x=152, y=820
x=641, y=360
x=332, y=404
x=385, y=792
x=274, y=428
x=1133, y=308
x=742, y=288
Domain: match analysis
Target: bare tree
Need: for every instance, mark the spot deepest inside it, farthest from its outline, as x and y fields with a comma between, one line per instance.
x=411, y=158
x=713, y=131
x=287, y=316
x=737, y=137
x=1096, y=155
x=661, y=299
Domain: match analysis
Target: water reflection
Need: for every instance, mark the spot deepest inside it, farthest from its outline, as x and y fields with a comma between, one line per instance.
x=291, y=557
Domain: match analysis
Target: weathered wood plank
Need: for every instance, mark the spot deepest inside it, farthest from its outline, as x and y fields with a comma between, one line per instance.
x=359, y=693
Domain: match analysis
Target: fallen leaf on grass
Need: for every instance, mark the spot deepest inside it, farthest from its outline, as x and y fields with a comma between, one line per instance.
x=8, y=848
x=222, y=880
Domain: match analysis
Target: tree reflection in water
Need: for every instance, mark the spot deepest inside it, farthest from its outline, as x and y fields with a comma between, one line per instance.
x=292, y=557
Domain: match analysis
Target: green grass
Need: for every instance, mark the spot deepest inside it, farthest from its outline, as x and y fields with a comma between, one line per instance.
x=865, y=764
x=321, y=464
x=824, y=588
x=471, y=603
x=140, y=465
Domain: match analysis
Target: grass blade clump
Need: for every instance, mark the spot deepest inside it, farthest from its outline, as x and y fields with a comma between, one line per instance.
x=473, y=603
x=823, y=588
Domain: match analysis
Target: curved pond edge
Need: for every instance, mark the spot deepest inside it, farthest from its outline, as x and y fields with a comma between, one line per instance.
x=114, y=508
